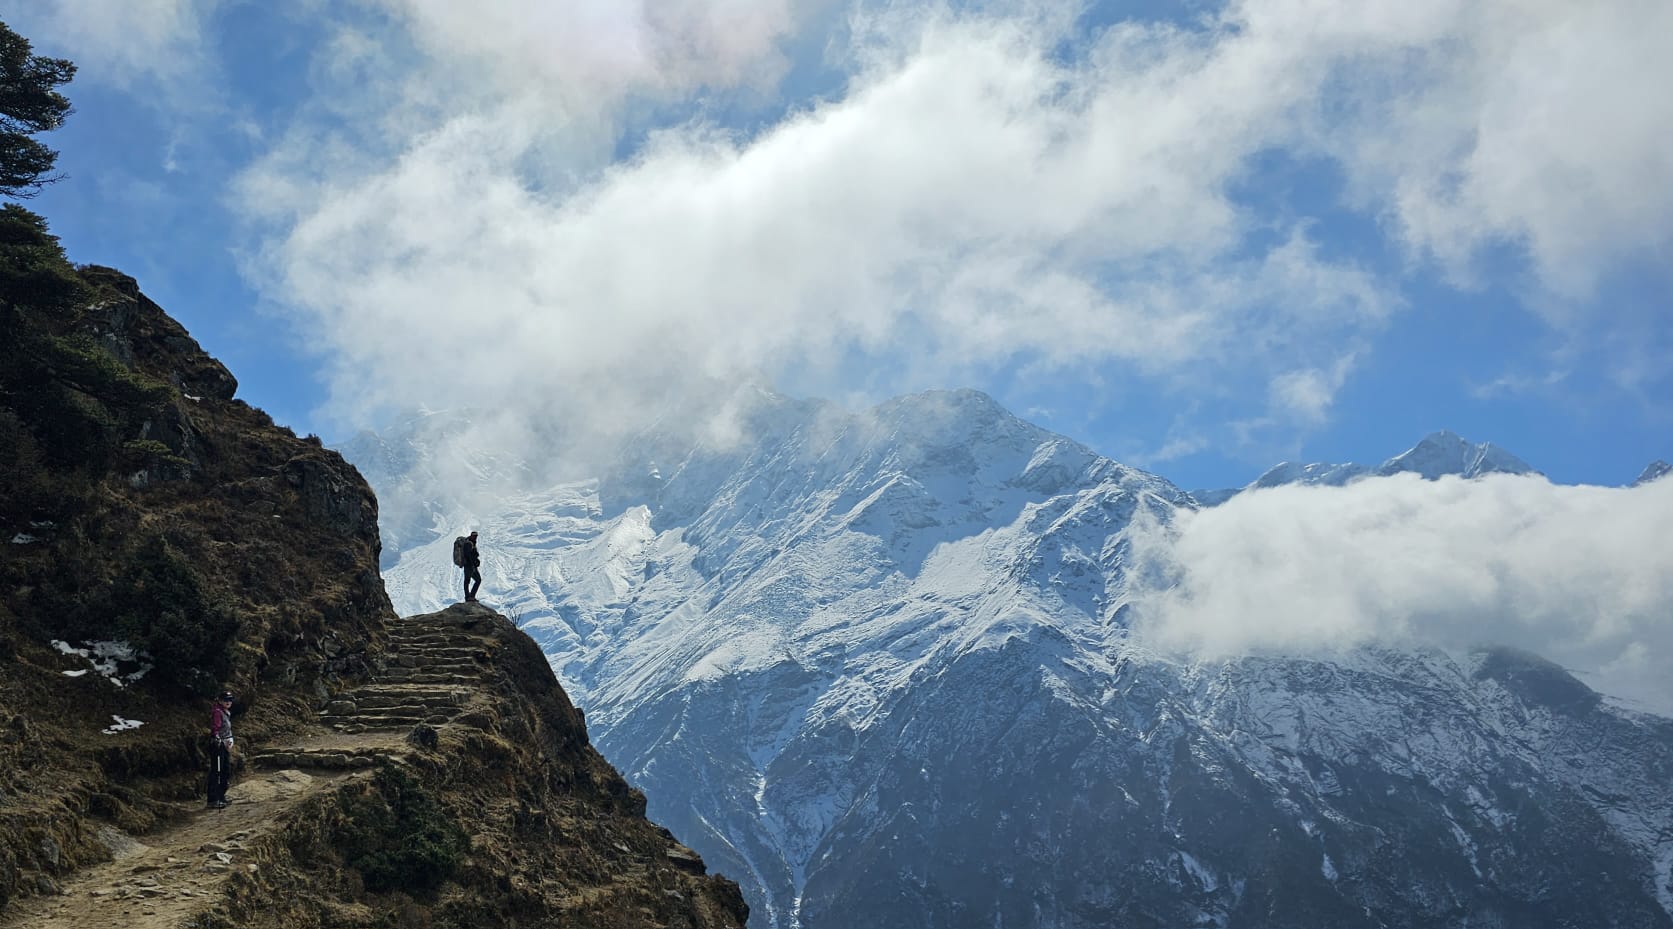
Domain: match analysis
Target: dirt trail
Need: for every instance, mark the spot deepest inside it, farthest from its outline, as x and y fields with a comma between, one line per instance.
x=160, y=881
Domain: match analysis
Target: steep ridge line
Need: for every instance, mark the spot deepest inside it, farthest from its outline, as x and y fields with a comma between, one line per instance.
x=148, y=504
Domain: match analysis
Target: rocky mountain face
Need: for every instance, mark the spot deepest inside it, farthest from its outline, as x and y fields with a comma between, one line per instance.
x=1439, y=454
x=878, y=667
x=159, y=540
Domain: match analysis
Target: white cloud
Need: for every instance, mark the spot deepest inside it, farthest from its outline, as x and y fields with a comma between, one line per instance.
x=1306, y=395
x=1175, y=447
x=972, y=198
x=1539, y=124
x=1516, y=382
x=969, y=202
x=119, y=42
x=1582, y=575
x=585, y=53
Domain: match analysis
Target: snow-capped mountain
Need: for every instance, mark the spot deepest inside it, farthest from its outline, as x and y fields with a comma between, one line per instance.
x=877, y=668
x=1439, y=454
x=1655, y=471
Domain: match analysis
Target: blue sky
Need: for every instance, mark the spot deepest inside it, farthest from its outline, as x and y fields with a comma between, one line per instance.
x=1201, y=238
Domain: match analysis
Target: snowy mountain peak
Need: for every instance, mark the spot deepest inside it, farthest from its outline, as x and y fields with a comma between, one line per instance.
x=1445, y=452
x=956, y=417
x=1656, y=470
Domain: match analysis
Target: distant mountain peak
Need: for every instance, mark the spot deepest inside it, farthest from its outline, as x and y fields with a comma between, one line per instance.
x=963, y=402
x=1437, y=454
x=1656, y=470
x=1289, y=472
x=1446, y=452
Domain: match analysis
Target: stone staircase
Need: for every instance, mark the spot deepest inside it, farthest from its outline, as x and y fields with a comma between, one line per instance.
x=430, y=673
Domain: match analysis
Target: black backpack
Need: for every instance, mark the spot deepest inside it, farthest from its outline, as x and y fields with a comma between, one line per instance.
x=459, y=551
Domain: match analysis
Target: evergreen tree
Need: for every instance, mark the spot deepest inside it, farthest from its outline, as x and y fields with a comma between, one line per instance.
x=29, y=104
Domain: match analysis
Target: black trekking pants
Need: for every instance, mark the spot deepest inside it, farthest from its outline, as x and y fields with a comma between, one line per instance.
x=473, y=581
x=220, y=771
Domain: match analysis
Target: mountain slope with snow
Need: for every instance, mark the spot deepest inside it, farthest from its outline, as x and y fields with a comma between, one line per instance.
x=877, y=668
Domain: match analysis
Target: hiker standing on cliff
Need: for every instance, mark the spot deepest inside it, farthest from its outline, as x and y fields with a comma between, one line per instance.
x=220, y=750
x=466, y=556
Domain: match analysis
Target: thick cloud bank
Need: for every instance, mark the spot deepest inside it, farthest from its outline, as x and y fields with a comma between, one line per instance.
x=986, y=188
x=1582, y=575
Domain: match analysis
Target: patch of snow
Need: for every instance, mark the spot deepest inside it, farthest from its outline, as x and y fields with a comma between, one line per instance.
x=76, y=673
x=107, y=658
x=190, y=397
x=1327, y=868
x=24, y=538
x=1664, y=879
x=1205, y=878
x=119, y=724
x=1465, y=843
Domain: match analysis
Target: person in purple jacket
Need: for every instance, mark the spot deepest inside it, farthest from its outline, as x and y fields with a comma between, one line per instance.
x=220, y=750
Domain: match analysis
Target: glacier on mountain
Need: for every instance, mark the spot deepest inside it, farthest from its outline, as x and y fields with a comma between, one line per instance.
x=878, y=668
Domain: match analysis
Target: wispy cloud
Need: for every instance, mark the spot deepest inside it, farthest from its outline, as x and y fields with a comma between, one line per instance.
x=1306, y=395
x=120, y=43
x=1515, y=383
x=1582, y=575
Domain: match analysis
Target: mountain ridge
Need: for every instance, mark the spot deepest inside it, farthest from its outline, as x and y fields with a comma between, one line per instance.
x=1437, y=454
x=857, y=654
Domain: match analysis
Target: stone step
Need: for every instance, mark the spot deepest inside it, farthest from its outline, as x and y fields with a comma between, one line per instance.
x=430, y=676
x=394, y=723
x=435, y=638
x=326, y=759
x=437, y=651
x=432, y=661
x=410, y=692
x=390, y=709
x=387, y=720
x=472, y=649
x=431, y=637
x=381, y=701
x=416, y=675
x=420, y=627
x=354, y=727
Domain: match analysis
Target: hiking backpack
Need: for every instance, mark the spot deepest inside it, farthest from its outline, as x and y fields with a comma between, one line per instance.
x=459, y=551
